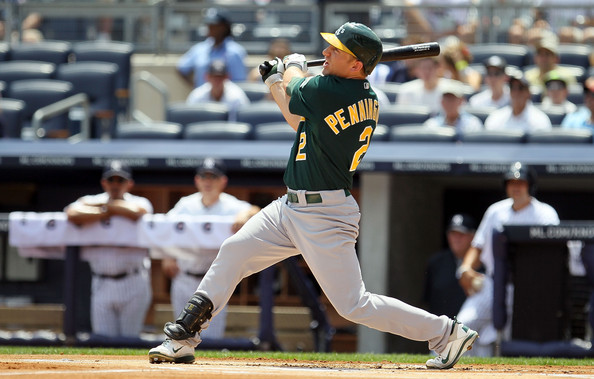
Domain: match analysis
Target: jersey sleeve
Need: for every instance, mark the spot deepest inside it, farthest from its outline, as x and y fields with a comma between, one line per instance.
x=305, y=96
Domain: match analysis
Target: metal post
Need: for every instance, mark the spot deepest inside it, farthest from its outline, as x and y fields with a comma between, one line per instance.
x=69, y=294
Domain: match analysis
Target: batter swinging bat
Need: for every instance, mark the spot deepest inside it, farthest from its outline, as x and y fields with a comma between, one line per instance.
x=420, y=50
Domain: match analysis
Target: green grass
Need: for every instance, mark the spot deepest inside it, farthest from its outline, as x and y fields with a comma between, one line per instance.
x=306, y=356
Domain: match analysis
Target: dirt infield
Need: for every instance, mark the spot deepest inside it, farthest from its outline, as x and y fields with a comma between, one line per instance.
x=89, y=366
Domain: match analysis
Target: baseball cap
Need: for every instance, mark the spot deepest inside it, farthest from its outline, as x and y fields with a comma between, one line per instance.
x=216, y=16
x=213, y=166
x=519, y=77
x=452, y=87
x=462, y=223
x=495, y=61
x=117, y=168
x=548, y=42
x=217, y=67
x=359, y=41
x=554, y=77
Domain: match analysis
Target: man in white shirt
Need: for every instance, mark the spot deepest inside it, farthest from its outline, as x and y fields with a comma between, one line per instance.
x=497, y=93
x=452, y=113
x=521, y=207
x=219, y=89
x=520, y=114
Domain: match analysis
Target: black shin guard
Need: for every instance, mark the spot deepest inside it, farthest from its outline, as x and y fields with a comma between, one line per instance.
x=196, y=312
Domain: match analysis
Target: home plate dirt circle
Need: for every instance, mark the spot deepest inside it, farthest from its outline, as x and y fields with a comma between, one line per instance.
x=106, y=366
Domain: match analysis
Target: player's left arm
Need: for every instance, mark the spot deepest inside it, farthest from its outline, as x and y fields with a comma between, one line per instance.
x=126, y=209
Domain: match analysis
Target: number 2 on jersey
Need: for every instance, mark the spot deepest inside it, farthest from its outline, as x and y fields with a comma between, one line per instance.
x=364, y=137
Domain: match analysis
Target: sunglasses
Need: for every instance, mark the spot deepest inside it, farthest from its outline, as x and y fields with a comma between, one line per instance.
x=116, y=179
x=494, y=73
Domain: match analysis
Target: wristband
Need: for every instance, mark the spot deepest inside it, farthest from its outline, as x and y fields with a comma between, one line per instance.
x=273, y=79
x=461, y=270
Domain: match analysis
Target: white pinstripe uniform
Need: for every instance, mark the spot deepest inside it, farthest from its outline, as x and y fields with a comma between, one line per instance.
x=192, y=270
x=477, y=310
x=118, y=306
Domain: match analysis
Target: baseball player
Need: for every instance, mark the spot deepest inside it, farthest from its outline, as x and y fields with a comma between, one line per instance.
x=334, y=115
x=521, y=207
x=210, y=180
x=121, y=288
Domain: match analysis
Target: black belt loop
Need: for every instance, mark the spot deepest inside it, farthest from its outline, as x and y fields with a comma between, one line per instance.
x=116, y=276
x=310, y=198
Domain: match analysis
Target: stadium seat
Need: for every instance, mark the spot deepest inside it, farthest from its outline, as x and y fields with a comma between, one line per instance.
x=560, y=135
x=218, y=130
x=185, y=114
x=98, y=81
x=11, y=117
x=421, y=133
x=575, y=54
x=259, y=113
x=274, y=131
x=119, y=53
x=555, y=115
x=390, y=89
x=481, y=112
x=381, y=133
x=150, y=130
x=407, y=114
x=11, y=71
x=56, y=52
x=492, y=136
x=515, y=55
x=38, y=93
x=576, y=94
x=255, y=91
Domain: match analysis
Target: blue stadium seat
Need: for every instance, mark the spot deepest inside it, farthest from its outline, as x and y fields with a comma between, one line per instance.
x=481, y=112
x=11, y=71
x=560, y=135
x=421, y=133
x=255, y=91
x=515, y=55
x=555, y=115
x=12, y=116
x=151, y=130
x=56, y=52
x=403, y=114
x=274, y=131
x=381, y=133
x=119, y=53
x=38, y=93
x=259, y=113
x=575, y=54
x=576, y=94
x=98, y=81
x=390, y=89
x=186, y=114
x=492, y=136
x=218, y=130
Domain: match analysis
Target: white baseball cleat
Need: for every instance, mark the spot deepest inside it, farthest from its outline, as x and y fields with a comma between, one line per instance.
x=461, y=340
x=173, y=352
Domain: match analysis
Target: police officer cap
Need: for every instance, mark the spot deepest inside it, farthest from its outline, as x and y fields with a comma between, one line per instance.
x=359, y=41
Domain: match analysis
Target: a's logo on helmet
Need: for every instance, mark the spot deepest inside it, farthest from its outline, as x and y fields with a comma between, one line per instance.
x=340, y=30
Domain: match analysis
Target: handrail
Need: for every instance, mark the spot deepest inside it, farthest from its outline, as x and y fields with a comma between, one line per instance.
x=60, y=107
x=155, y=83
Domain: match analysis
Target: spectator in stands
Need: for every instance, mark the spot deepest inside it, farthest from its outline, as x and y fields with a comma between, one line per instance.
x=455, y=59
x=426, y=89
x=497, y=93
x=121, y=286
x=520, y=207
x=520, y=114
x=210, y=200
x=219, y=44
x=584, y=116
x=546, y=59
x=556, y=92
x=443, y=293
x=219, y=89
x=452, y=113
x=278, y=47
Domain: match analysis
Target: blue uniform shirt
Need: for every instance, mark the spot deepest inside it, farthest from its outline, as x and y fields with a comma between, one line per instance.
x=201, y=54
x=579, y=119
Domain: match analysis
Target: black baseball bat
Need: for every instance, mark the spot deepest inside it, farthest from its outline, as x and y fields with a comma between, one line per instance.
x=420, y=50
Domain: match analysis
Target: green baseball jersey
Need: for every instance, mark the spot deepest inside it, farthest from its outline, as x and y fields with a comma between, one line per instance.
x=338, y=119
